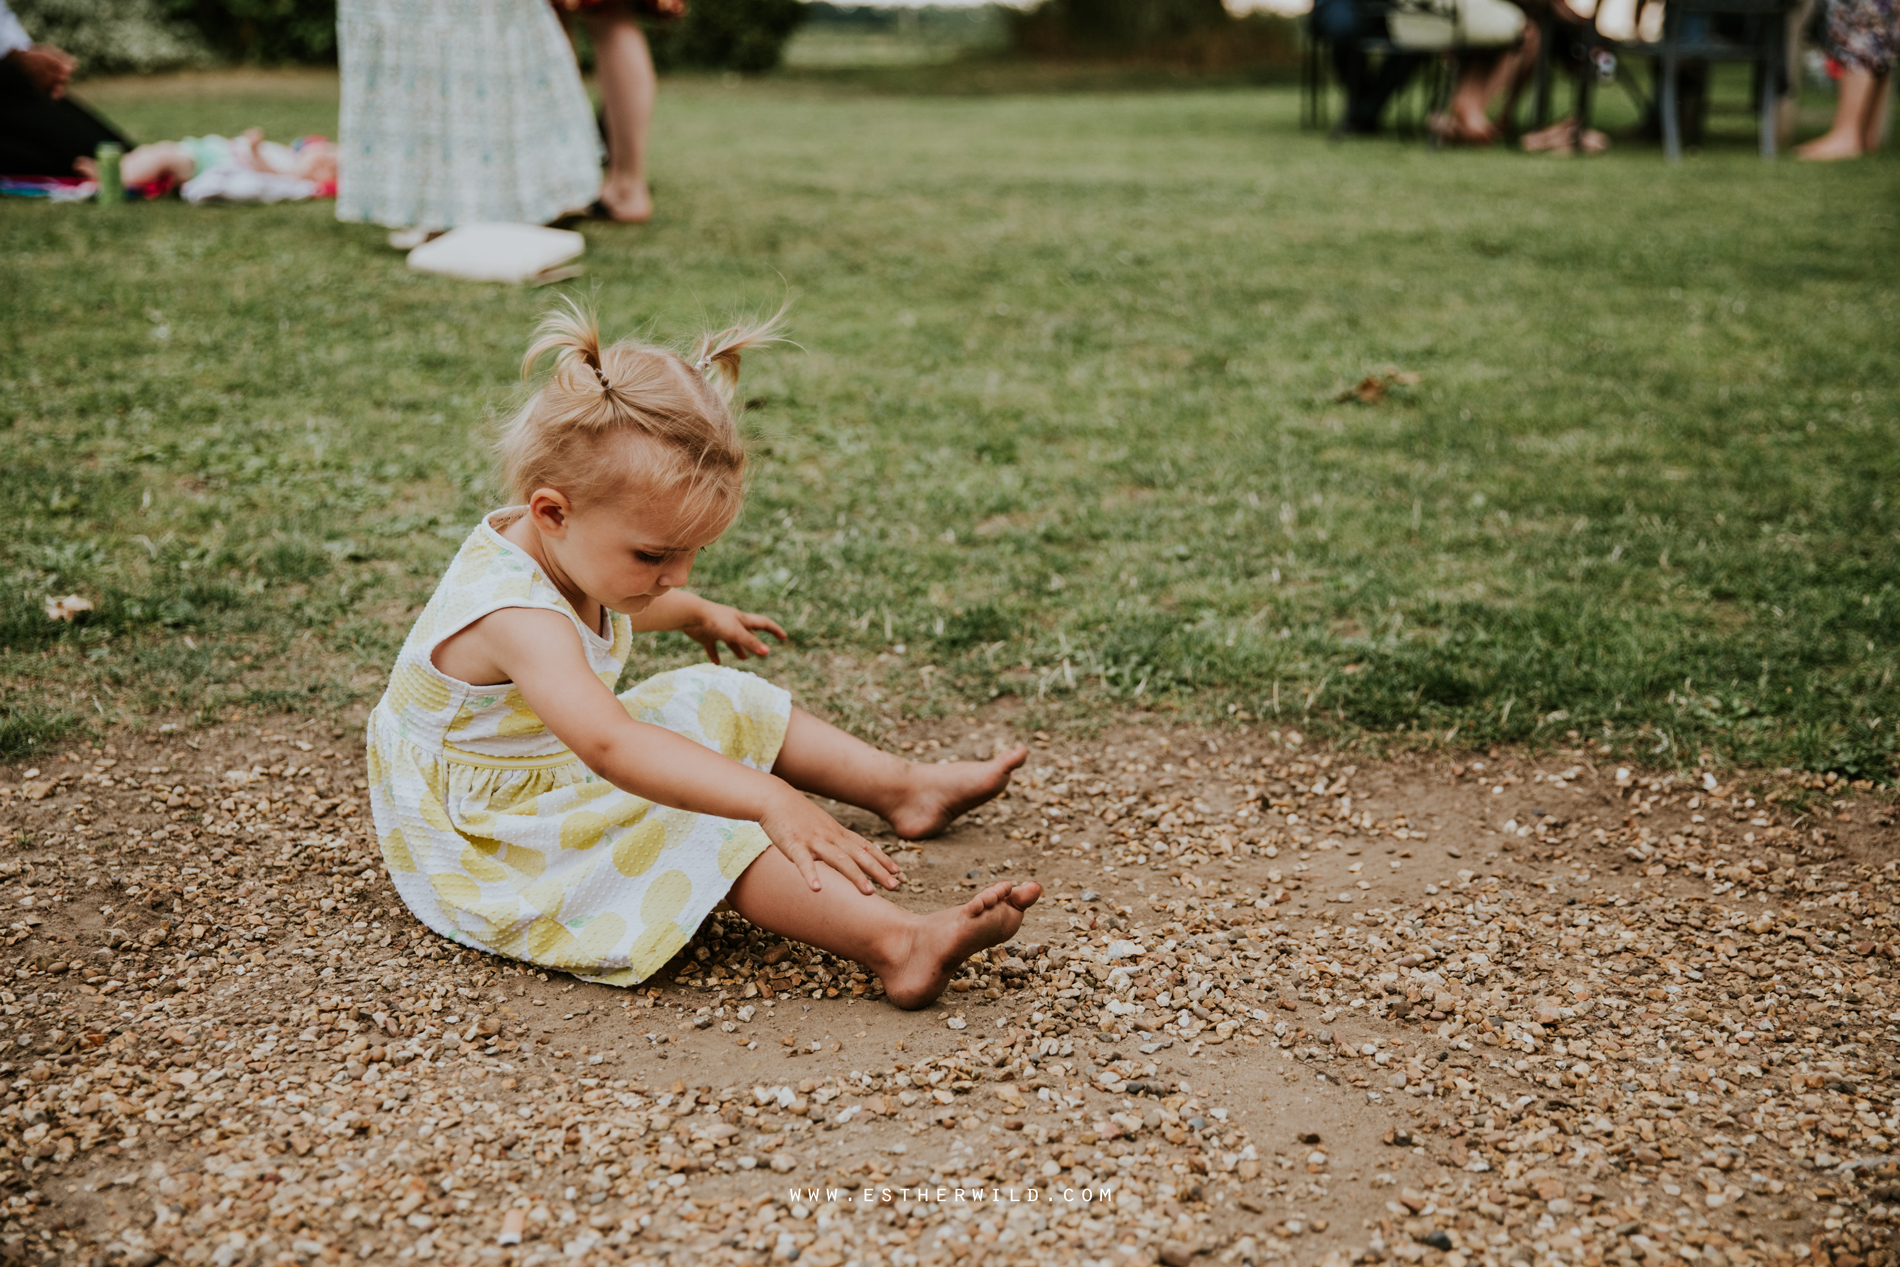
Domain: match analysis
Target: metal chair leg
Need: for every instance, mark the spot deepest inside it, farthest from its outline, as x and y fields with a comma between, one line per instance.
x=1770, y=88
x=1585, y=93
x=1540, y=113
x=1438, y=101
x=1307, y=111
x=1671, y=117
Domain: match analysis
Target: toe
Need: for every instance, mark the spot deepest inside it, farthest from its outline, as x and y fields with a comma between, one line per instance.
x=988, y=898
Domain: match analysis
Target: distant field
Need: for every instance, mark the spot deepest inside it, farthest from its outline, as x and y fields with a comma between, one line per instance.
x=894, y=37
x=1067, y=422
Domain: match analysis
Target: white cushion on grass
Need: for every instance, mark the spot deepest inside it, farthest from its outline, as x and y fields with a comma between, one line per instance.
x=497, y=252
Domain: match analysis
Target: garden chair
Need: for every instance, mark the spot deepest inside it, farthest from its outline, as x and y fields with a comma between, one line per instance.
x=1689, y=33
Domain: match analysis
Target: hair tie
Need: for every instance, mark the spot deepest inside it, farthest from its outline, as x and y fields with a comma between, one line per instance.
x=601, y=374
x=704, y=363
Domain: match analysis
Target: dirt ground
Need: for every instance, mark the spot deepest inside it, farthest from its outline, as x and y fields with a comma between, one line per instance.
x=1279, y=1005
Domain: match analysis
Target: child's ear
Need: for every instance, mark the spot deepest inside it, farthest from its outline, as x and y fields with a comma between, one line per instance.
x=549, y=511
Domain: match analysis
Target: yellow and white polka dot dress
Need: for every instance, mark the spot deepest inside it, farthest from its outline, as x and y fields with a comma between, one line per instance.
x=499, y=838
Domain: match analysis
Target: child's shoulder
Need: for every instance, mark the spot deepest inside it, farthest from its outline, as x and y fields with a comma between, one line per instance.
x=486, y=574
x=486, y=558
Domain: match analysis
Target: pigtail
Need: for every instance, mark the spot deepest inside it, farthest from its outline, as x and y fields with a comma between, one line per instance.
x=633, y=415
x=717, y=355
x=573, y=336
x=570, y=334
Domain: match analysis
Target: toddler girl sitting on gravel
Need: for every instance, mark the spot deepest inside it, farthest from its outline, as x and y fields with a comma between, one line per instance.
x=525, y=810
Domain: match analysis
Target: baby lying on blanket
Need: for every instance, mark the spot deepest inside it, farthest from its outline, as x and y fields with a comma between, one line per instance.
x=176, y=163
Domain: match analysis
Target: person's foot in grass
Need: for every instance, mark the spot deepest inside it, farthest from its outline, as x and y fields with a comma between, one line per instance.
x=1830, y=147
x=1860, y=115
x=627, y=201
x=1461, y=129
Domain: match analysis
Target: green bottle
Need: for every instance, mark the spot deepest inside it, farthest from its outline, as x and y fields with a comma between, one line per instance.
x=111, y=187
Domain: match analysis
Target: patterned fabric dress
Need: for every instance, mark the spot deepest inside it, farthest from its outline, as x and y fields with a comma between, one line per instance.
x=498, y=837
x=464, y=113
x=1864, y=34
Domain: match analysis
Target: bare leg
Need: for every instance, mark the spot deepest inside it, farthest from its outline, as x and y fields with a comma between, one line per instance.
x=1514, y=72
x=1467, y=99
x=627, y=86
x=1560, y=135
x=1464, y=119
x=1844, y=138
x=1481, y=84
x=912, y=954
x=916, y=800
x=1873, y=130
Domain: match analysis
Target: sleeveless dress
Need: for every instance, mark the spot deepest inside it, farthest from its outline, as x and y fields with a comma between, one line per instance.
x=499, y=838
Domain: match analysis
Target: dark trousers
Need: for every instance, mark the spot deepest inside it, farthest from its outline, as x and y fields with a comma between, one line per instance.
x=40, y=136
x=1343, y=24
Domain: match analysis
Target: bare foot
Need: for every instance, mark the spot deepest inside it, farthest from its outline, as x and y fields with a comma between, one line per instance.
x=86, y=166
x=1456, y=128
x=1830, y=147
x=628, y=202
x=940, y=941
x=1475, y=129
x=940, y=794
x=1558, y=136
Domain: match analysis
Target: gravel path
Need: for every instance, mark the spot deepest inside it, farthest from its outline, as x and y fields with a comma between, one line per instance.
x=1279, y=1006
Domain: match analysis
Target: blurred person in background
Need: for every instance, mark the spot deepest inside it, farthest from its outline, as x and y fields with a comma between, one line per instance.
x=455, y=114
x=1346, y=26
x=1484, y=77
x=42, y=130
x=1496, y=47
x=1863, y=36
x=623, y=66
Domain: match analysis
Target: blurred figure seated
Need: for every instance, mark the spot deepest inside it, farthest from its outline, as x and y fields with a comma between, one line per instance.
x=42, y=130
x=1346, y=26
x=1494, y=62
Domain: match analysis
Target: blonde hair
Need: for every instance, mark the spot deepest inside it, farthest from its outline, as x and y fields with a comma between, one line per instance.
x=574, y=433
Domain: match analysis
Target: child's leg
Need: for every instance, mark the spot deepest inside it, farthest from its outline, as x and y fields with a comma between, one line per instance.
x=917, y=800
x=912, y=954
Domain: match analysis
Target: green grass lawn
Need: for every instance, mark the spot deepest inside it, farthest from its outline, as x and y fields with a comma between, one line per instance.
x=1065, y=424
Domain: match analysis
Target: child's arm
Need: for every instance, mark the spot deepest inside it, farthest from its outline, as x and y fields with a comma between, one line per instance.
x=708, y=623
x=540, y=653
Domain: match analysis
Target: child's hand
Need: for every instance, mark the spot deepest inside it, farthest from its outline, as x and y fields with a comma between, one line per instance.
x=807, y=835
x=715, y=623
